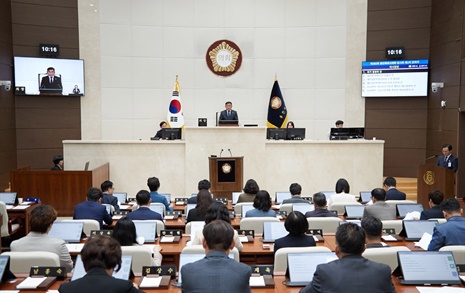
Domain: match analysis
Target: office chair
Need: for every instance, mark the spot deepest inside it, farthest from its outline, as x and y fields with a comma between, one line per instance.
x=328, y=224
x=396, y=224
x=141, y=256
x=340, y=207
x=385, y=255
x=256, y=223
x=458, y=251
x=280, y=257
x=22, y=261
x=10, y=225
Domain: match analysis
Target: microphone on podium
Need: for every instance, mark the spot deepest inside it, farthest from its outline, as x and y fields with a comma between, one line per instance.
x=221, y=152
x=229, y=150
x=216, y=119
x=429, y=158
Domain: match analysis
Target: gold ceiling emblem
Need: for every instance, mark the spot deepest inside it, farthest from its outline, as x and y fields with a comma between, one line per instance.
x=224, y=58
x=276, y=103
x=429, y=177
x=226, y=168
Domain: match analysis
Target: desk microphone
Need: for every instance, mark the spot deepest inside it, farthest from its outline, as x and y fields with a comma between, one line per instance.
x=429, y=158
x=230, y=152
x=221, y=152
x=216, y=120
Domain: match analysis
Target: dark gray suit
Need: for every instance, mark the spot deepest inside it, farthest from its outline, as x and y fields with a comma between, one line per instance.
x=351, y=274
x=295, y=199
x=380, y=210
x=216, y=273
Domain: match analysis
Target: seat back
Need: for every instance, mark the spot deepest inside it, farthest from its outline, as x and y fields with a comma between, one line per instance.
x=458, y=251
x=256, y=224
x=440, y=220
x=4, y=229
x=198, y=249
x=396, y=224
x=328, y=224
x=22, y=261
x=286, y=207
x=238, y=207
x=385, y=255
x=396, y=202
x=109, y=206
x=157, y=207
x=280, y=257
x=89, y=225
x=141, y=256
x=340, y=207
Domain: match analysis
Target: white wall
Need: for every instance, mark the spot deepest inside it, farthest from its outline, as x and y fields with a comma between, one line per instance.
x=134, y=49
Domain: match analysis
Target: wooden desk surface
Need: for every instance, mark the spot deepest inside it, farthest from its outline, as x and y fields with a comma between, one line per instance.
x=24, y=214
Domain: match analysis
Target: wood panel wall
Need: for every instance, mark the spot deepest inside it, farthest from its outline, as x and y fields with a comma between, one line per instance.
x=7, y=99
x=401, y=122
x=43, y=122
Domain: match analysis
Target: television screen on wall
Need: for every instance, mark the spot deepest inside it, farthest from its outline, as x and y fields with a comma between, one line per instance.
x=49, y=76
x=395, y=78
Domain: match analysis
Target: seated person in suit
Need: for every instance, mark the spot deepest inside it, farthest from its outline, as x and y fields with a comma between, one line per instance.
x=448, y=160
x=392, y=193
x=262, y=206
x=319, y=201
x=351, y=272
x=50, y=81
x=435, y=198
x=41, y=221
x=217, y=211
x=108, y=198
x=295, y=189
x=453, y=231
x=203, y=184
x=297, y=225
x=373, y=228
x=159, y=132
x=228, y=113
x=204, y=200
x=92, y=208
x=250, y=190
x=153, y=183
x=125, y=233
x=216, y=272
x=342, y=193
x=101, y=255
x=380, y=209
x=58, y=161
x=144, y=212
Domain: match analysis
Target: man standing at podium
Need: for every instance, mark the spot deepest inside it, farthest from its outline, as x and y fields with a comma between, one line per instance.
x=448, y=160
x=229, y=113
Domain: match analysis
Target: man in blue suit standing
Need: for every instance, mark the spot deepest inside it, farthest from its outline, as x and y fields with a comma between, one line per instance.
x=144, y=212
x=448, y=160
x=92, y=209
x=228, y=113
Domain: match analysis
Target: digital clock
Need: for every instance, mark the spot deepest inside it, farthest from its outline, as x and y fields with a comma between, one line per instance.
x=49, y=50
x=395, y=53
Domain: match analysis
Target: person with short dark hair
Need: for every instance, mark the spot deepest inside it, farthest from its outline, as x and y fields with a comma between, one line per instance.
x=448, y=160
x=295, y=189
x=153, y=183
x=51, y=81
x=228, y=113
x=339, y=124
x=453, y=231
x=203, y=184
x=250, y=190
x=290, y=124
x=159, y=133
x=373, y=228
x=217, y=211
x=204, y=200
x=143, y=211
x=216, y=272
x=351, y=272
x=107, y=191
x=342, y=193
x=319, y=201
x=125, y=233
x=58, y=161
x=435, y=198
x=101, y=255
x=92, y=208
x=297, y=225
x=392, y=193
x=41, y=221
x=262, y=206
x=380, y=209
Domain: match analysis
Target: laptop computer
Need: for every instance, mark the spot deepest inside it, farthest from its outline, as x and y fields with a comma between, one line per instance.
x=365, y=196
x=123, y=273
x=303, y=265
x=245, y=208
x=235, y=197
x=9, y=198
x=68, y=231
x=146, y=229
x=428, y=268
x=121, y=196
x=273, y=231
x=280, y=196
x=167, y=195
x=328, y=194
x=415, y=229
x=158, y=208
x=354, y=211
x=403, y=209
x=303, y=207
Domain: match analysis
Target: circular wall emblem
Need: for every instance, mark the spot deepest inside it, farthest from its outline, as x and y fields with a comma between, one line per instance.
x=429, y=177
x=276, y=103
x=226, y=168
x=224, y=58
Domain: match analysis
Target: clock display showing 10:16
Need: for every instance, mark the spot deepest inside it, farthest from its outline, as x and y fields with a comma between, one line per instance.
x=49, y=49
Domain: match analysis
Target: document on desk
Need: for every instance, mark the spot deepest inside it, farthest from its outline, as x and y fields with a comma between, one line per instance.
x=444, y=289
x=20, y=207
x=150, y=282
x=257, y=281
x=243, y=239
x=74, y=247
x=424, y=241
x=124, y=207
x=30, y=283
x=117, y=217
x=167, y=239
x=53, y=291
x=9, y=207
x=388, y=238
x=171, y=217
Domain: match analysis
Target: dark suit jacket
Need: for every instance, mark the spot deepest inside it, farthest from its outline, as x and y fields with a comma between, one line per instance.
x=56, y=168
x=450, y=233
x=454, y=161
x=216, y=273
x=351, y=274
x=433, y=212
x=295, y=199
x=97, y=281
x=144, y=213
x=224, y=115
x=110, y=199
x=291, y=240
x=192, y=200
x=394, y=194
x=320, y=213
x=195, y=215
x=56, y=84
x=92, y=210
x=380, y=210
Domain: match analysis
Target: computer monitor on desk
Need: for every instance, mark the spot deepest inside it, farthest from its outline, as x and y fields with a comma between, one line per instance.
x=276, y=133
x=347, y=133
x=295, y=134
x=171, y=133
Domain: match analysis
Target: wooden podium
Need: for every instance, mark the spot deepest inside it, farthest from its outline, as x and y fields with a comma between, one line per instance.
x=225, y=175
x=431, y=177
x=60, y=189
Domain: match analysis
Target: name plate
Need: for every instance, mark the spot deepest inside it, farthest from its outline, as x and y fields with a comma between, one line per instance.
x=165, y=270
x=121, y=213
x=309, y=198
x=389, y=231
x=181, y=201
x=281, y=213
x=232, y=214
x=222, y=200
x=250, y=234
x=101, y=232
x=171, y=232
x=58, y=272
x=262, y=269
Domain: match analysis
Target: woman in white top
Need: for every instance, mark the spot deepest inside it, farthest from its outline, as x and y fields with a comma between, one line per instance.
x=216, y=211
x=342, y=193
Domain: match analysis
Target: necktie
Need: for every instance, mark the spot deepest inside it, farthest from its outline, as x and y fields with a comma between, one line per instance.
x=51, y=80
x=229, y=114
